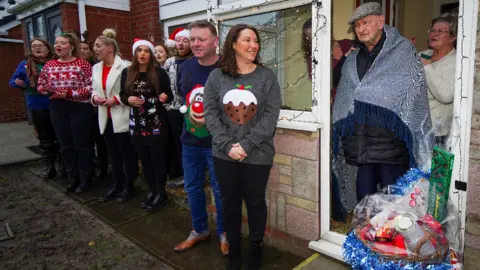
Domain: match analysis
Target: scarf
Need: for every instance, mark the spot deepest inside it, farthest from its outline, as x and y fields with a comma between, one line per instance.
x=32, y=69
x=392, y=95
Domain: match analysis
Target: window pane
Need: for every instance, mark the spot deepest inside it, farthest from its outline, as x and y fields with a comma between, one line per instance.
x=31, y=35
x=40, y=28
x=281, y=50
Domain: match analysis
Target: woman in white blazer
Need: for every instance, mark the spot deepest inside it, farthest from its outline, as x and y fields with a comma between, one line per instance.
x=113, y=116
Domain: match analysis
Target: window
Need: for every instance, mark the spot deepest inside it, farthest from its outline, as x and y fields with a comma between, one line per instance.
x=281, y=50
x=46, y=25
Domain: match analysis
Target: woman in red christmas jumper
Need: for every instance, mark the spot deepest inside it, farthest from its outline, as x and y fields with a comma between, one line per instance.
x=113, y=116
x=145, y=87
x=68, y=81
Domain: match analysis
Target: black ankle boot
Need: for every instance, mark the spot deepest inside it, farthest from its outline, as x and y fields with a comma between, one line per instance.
x=149, y=200
x=101, y=174
x=85, y=184
x=126, y=194
x=111, y=194
x=254, y=261
x=74, y=182
x=50, y=171
x=158, y=204
x=62, y=172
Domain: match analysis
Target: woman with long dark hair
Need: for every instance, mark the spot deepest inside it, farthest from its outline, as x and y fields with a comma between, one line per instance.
x=68, y=81
x=26, y=77
x=242, y=105
x=113, y=116
x=145, y=87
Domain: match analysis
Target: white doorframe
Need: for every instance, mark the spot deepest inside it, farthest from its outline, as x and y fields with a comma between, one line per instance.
x=331, y=242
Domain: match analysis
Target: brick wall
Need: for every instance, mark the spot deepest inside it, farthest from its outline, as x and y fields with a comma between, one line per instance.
x=145, y=19
x=472, y=238
x=12, y=105
x=97, y=20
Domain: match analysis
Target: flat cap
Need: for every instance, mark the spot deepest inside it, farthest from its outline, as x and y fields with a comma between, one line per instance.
x=364, y=10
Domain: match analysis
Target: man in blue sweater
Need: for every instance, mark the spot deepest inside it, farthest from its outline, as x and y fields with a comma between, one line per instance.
x=196, y=141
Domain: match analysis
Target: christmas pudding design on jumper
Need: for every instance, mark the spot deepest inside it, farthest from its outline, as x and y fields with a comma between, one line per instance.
x=240, y=104
x=195, y=112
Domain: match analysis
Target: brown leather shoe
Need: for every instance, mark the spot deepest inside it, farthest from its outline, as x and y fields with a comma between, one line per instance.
x=193, y=239
x=224, y=244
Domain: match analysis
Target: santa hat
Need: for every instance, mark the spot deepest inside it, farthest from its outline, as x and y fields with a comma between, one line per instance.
x=189, y=98
x=179, y=32
x=142, y=42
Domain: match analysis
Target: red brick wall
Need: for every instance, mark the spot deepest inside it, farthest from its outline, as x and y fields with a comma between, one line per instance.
x=97, y=20
x=12, y=105
x=145, y=19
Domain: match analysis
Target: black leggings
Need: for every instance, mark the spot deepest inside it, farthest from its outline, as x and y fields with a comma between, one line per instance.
x=153, y=165
x=46, y=134
x=241, y=181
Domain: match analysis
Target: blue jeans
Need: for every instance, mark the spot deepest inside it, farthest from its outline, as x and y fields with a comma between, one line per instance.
x=195, y=160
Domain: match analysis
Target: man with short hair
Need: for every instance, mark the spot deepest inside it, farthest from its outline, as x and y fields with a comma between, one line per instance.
x=180, y=39
x=381, y=114
x=196, y=141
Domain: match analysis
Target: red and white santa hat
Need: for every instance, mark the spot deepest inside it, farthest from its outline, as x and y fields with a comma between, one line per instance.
x=142, y=42
x=179, y=32
x=197, y=89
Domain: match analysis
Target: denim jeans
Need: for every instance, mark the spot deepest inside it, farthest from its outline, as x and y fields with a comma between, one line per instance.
x=195, y=160
x=72, y=122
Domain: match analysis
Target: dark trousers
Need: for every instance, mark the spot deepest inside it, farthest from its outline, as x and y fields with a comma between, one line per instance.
x=46, y=133
x=124, y=158
x=98, y=142
x=173, y=153
x=370, y=175
x=72, y=122
x=153, y=165
x=241, y=181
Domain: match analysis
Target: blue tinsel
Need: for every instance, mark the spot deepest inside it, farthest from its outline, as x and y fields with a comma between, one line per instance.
x=360, y=257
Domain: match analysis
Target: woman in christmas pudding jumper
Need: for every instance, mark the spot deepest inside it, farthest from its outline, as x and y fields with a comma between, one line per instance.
x=145, y=86
x=113, y=116
x=68, y=81
x=242, y=104
x=26, y=77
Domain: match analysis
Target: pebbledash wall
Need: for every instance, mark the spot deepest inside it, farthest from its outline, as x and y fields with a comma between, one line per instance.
x=472, y=238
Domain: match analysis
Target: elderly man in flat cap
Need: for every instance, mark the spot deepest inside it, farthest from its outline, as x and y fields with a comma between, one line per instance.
x=381, y=114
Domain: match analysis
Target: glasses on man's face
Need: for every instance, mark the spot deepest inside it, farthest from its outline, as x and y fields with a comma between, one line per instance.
x=38, y=46
x=440, y=32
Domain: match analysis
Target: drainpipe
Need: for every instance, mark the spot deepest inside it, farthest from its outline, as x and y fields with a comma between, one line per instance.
x=82, y=16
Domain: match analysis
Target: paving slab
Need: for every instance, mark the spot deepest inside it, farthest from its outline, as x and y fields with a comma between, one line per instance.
x=118, y=214
x=14, y=140
x=159, y=233
x=318, y=262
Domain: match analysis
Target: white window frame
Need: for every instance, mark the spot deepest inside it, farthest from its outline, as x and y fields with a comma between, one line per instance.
x=293, y=119
x=182, y=20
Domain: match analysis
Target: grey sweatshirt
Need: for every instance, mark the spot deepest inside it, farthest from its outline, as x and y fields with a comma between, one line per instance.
x=243, y=110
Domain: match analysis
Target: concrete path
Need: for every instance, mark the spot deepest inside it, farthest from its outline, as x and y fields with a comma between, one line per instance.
x=14, y=139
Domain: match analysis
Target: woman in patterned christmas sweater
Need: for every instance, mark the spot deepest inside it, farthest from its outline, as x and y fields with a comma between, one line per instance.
x=145, y=86
x=68, y=81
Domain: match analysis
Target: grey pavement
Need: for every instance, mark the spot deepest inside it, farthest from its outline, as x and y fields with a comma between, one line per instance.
x=14, y=139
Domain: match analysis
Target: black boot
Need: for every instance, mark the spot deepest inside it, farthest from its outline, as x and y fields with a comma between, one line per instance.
x=74, y=182
x=111, y=194
x=149, y=200
x=85, y=185
x=126, y=194
x=254, y=261
x=158, y=204
x=101, y=174
x=50, y=171
x=62, y=172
